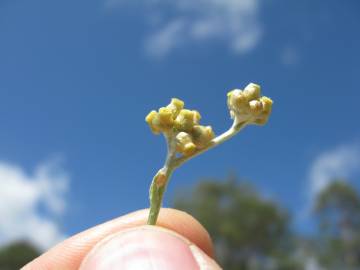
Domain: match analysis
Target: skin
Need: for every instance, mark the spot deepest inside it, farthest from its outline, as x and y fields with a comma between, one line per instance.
x=127, y=241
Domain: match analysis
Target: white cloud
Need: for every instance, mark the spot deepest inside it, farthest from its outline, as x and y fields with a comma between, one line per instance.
x=31, y=203
x=340, y=163
x=234, y=22
x=167, y=39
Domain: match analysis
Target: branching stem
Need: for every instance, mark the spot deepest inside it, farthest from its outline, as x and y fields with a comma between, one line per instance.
x=162, y=177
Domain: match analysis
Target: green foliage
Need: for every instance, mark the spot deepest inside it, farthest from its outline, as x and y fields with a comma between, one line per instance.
x=249, y=231
x=338, y=196
x=338, y=211
x=16, y=255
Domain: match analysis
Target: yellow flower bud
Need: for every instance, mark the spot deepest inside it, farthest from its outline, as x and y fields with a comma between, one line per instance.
x=184, y=144
x=161, y=121
x=248, y=107
x=165, y=117
x=189, y=149
x=267, y=104
x=175, y=106
x=149, y=119
x=266, y=111
x=252, y=91
x=237, y=101
x=186, y=120
x=202, y=135
x=150, y=116
x=256, y=106
x=197, y=116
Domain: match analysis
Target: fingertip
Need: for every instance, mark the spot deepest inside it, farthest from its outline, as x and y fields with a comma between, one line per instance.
x=180, y=222
x=70, y=253
x=185, y=224
x=204, y=261
x=147, y=248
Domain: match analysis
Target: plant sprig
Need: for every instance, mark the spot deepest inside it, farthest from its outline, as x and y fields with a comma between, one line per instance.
x=186, y=138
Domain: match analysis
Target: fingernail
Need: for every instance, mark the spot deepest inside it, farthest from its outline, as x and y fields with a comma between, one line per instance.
x=142, y=248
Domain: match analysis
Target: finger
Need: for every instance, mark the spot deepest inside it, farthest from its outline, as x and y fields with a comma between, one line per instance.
x=147, y=248
x=69, y=254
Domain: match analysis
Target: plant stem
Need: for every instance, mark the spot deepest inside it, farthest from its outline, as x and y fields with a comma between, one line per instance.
x=160, y=180
x=162, y=177
x=232, y=131
x=156, y=193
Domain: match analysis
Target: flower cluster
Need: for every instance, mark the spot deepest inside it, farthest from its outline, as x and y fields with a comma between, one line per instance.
x=183, y=124
x=248, y=106
x=186, y=138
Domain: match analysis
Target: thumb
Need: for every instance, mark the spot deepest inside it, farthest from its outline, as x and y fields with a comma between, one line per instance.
x=147, y=248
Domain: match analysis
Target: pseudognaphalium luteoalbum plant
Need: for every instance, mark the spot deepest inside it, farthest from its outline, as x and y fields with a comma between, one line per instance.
x=187, y=138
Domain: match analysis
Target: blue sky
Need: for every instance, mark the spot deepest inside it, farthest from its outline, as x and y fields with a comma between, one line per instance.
x=78, y=77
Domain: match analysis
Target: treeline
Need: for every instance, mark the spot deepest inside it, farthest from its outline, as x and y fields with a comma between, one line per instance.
x=251, y=232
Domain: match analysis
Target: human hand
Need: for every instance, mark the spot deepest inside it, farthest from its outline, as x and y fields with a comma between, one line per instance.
x=179, y=242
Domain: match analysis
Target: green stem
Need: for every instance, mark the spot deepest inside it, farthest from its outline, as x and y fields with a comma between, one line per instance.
x=160, y=181
x=156, y=192
x=232, y=131
x=156, y=195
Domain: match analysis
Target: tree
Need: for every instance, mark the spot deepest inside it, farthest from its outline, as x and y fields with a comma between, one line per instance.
x=249, y=231
x=338, y=210
x=16, y=255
